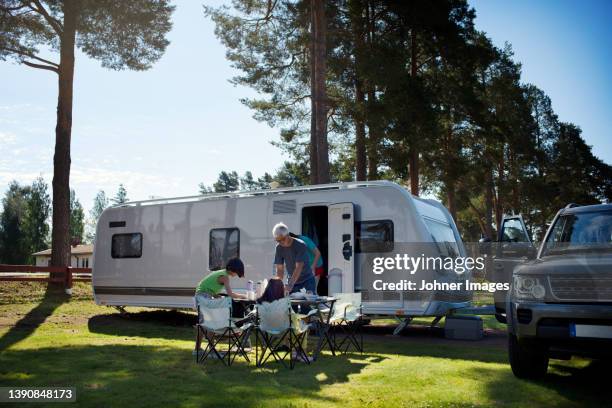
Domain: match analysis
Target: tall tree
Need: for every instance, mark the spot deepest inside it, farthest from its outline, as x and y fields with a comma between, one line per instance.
x=14, y=246
x=228, y=181
x=248, y=182
x=38, y=210
x=280, y=50
x=77, y=219
x=121, y=195
x=318, y=75
x=120, y=34
x=357, y=11
x=99, y=205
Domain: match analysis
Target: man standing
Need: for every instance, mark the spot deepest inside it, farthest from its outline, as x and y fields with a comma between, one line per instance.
x=292, y=253
x=314, y=257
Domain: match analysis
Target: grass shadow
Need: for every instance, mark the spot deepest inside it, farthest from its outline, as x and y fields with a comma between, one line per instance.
x=166, y=376
x=415, y=341
x=586, y=386
x=166, y=324
x=53, y=298
x=425, y=341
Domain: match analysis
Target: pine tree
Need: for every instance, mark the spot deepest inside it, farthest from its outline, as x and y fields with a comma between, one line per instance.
x=36, y=224
x=99, y=205
x=120, y=34
x=121, y=196
x=77, y=219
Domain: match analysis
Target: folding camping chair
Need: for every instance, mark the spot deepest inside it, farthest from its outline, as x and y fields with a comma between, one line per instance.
x=346, y=319
x=215, y=324
x=277, y=325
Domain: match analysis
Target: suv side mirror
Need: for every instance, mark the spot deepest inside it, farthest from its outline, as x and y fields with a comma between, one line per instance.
x=484, y=245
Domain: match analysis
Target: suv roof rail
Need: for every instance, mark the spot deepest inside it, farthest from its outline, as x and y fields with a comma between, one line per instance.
x=572, y=205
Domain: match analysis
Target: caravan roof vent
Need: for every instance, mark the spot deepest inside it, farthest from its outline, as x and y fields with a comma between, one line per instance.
x=283, y=207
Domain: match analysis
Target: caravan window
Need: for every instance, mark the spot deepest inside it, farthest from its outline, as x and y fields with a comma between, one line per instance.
x=443, y=236
x=374, y=236
x=126, y=245
x=224, y=245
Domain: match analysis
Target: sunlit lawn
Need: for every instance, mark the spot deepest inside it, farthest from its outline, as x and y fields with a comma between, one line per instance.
x=145, y=360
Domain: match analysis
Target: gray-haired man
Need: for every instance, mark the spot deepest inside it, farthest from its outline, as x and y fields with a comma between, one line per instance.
x=292, y=253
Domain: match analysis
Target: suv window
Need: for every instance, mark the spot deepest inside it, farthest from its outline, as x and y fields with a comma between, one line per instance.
x=581, y=231
x=513, y=231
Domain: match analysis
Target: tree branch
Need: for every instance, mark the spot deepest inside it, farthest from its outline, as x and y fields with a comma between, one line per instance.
x=9, y=9
x=40, y=66
x=40, y=9
x=32, y=56
x=288, y=65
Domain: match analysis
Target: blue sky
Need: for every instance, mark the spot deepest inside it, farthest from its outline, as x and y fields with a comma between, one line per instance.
x=163, y=131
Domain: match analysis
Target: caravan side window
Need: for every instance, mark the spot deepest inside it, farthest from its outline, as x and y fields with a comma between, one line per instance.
x=224, y=245
x=374, y=236
x=126, y=245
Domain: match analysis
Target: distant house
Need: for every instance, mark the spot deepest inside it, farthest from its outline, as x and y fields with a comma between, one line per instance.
x=80, y=256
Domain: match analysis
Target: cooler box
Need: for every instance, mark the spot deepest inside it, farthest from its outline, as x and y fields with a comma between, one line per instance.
x=463, y=328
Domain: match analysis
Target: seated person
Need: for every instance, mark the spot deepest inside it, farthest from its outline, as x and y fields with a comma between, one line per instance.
x=212, y=284
x=274, y=291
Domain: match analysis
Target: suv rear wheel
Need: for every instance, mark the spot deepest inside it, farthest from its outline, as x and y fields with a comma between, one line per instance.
x=527, y=360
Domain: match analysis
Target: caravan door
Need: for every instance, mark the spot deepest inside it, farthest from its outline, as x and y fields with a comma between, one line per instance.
x=341, y=248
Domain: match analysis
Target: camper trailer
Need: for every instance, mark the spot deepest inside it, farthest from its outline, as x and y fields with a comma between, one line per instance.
x=153, y=252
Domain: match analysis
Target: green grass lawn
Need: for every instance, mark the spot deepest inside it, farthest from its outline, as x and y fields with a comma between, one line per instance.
x=144, y=359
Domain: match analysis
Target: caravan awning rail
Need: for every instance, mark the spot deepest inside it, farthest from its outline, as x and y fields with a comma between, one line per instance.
x=256, y=193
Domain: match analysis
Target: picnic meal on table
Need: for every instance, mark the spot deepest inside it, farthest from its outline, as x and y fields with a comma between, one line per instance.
x=279, y=314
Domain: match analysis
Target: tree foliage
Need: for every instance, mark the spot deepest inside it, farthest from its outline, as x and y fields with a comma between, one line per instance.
x=415, y=95
x=24, y=222
x=77, y=219
x=14, y=245
x=100, y=203
x=120, y=197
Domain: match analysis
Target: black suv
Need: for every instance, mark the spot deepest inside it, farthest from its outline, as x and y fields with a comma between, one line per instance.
x=560, y=303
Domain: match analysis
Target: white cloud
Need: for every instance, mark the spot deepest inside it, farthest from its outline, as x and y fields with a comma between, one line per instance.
x=22, y=177
x=7, y=138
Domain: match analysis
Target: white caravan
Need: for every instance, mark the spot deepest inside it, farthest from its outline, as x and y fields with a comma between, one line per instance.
x=154, y=252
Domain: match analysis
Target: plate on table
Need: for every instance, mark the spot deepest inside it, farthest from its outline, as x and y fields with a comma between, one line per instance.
x=297, y=295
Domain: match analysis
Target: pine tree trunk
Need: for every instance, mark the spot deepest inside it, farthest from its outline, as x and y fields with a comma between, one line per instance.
x=372, y=138
x=413, y=170
x=499, y=209
x=489, y=204
x=314, y=159
x=320, y=96
x=360, y=137
x=357, y=22
x=60, y=235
